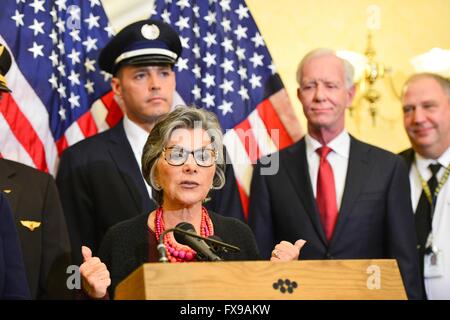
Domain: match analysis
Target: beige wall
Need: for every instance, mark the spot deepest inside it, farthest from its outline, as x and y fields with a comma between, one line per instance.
x=293, y=27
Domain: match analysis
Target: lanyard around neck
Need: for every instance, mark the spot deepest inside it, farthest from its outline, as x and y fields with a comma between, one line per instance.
x=432, y=198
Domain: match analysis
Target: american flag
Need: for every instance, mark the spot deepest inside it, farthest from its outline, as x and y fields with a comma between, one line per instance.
x=226, y=67
x=59, y=95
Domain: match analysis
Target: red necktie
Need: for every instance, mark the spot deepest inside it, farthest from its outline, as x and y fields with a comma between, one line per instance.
x=326, y=193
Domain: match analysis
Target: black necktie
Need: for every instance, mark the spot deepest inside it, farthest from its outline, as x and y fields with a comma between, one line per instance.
x=423, y=214
x=424, y=219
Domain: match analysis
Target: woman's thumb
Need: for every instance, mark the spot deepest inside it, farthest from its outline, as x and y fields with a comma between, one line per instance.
x=86, y=252
x=299, y=243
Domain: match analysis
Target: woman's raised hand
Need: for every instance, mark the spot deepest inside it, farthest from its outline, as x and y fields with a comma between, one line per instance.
x=94, y=275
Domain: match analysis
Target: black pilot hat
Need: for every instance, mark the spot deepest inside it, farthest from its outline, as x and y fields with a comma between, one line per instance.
x=145, y=42
x=5, y=63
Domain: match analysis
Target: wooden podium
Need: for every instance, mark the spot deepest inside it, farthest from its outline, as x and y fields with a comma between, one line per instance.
x=265, y=280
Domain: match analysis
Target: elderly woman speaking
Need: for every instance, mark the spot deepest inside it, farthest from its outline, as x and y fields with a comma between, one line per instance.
x=182, y=161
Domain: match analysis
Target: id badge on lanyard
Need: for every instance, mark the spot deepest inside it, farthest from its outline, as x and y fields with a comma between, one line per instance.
x=433, y=260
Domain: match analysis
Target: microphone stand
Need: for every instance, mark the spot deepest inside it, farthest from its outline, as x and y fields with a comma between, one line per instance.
x=162, y=252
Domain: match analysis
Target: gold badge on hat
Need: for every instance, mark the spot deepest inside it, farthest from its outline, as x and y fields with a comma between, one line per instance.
x=150, y=31
x=30, y=224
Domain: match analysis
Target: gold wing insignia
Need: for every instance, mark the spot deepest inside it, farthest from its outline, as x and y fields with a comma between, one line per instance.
x=30, y=224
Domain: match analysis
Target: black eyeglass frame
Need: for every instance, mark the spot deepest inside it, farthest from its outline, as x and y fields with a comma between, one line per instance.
x=186, y=154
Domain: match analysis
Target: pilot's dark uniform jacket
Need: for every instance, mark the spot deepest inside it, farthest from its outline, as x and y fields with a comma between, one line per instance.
x=38, y=218
x=13, y=282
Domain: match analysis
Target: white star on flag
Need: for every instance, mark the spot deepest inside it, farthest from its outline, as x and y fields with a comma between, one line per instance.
x=18, y=18
x=92, y=21
x=226, y=86
x=225, y=107
x=36, y=50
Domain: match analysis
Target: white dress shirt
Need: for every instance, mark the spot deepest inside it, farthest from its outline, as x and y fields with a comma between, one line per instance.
x=439, y=287
x=137, y=137
x=338, y=159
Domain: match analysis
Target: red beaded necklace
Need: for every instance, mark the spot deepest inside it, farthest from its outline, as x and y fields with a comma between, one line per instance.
x=175, y=252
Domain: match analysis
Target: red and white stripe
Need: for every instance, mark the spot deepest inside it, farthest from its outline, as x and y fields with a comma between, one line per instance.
x=270, y=127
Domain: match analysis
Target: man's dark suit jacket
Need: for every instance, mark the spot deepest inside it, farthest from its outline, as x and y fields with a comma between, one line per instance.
x=409, y=155
x=13, y=281
x=101, y=184
x=375, y=218
x=41, y=227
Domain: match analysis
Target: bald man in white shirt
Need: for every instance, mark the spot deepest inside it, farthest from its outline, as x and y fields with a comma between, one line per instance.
x=426, y=114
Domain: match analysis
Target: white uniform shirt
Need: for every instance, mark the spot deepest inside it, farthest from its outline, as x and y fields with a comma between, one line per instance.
x=137, y=137
x=338, y=160
x=439, y=287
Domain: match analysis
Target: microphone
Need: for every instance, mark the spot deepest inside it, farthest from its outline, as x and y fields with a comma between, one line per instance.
x=217, y=245
x=213, y=240
x=184, y=232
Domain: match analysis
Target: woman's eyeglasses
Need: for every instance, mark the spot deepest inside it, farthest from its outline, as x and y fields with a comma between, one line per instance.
x=177, y=156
